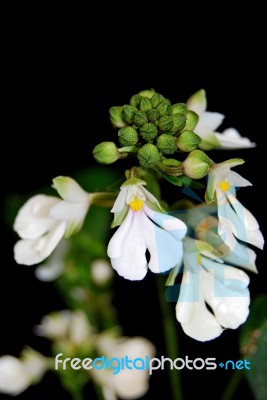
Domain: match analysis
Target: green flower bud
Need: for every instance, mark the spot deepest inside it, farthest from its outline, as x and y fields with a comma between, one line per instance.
x=106, y=153
x=163, y=108
x=148, y=155
x=128, y=113
x=145, y=104
x=165, y=123
x=128, y=136
x=197, y=164
x=140, y=118
x=147, y=93
x=179, y=108
x=166, y=144
x=148, y=132
x=157, y=99
x=191, y=120
x=135, y=100
x=116, y=117
x=179, y=121
x=188, y=141
x=153, y=115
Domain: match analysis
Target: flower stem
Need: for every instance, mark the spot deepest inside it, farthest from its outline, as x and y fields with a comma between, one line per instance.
x=232, y=386
x=171, y=338
x=77, y=395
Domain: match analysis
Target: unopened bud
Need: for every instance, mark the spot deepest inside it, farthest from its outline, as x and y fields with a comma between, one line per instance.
x=163, y=108
x=165, y=123
x=157, y=99
x=197, y=164
x=187, y=141
x=179, y=121
x=140, y=118
x=191, y=120
x=116, y=117
x=148, y=132
x=145, y=104
x=128, y=136
x=106, y=153
x=179, y=108
x=148, y=155
x=128, y=113
x=153, y=115
x=166, y=144
x=147, y=93
x=135, y=100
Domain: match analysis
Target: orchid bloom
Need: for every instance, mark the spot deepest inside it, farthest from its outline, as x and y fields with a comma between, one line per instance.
x=207, y=280
x=235, y=221
x=43, y=220
x=208, y=123
x=16, y=375
x=128, y=383
x=143, y=229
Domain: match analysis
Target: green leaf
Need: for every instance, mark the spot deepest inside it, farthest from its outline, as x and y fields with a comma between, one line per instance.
x=253, y=345
x=191, y=183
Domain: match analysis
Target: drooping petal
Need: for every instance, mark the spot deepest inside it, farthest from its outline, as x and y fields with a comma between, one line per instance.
x=120, y=201
x=241, y=256
x=55, y=326
x=33, y=219
x=29, y=252
x=237, y=180
x=231, y=139
x=70, y=190
x=211, y=120
x=129, y=246
x=14, y=378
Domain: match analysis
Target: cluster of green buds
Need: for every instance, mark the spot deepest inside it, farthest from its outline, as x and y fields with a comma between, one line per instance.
x=152, y=128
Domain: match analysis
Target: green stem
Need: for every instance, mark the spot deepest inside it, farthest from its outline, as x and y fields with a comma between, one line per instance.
x=232, y=386
x=77, y=395
x=171, y=339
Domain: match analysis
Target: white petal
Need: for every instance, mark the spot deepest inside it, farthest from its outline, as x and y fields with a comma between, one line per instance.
x=165, y=251
x=79, y=328
x=54, y=266
x=120, y=201
x=55, y=325
x=231, y=139
x=116, y=243
x=210, y=120
x=70, y=190
x=35, y=363
x=131, y=384
x=148, y=195
x=14, y=378
x=101, y=271
x=241, y=256
x=33, y=219
x=131, y=262
x=197, y=102
x=29, y=252
x=74, y=213
x=243, y=213
x=197, y=322
x=225, y=290
x=237, y=180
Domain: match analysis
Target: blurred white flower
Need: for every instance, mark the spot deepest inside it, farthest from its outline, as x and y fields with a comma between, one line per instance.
x=65, y=326
x=143, y=229
x=53, y=267
x=127, y=384
x=209, y=122
x=16, y=375
x=101, y=271
x=207, y=280
x=43, y=220
x=235, y=221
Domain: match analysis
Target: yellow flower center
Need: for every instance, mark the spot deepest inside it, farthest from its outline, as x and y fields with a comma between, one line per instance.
x=224, y=186
x=136, y=204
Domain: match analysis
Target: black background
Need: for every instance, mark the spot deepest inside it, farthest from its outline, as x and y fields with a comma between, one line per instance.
x=58, y=86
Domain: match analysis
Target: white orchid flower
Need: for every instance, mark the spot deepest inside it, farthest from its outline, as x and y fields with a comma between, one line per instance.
x=43, y=220
x=128, y=383
x=143, y=229
x=235, y=221
x=53, y=267
x=208, y=123
x=16, y=375
x=209, y=281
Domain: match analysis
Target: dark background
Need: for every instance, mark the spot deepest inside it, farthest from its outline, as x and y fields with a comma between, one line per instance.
x=58, y=87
